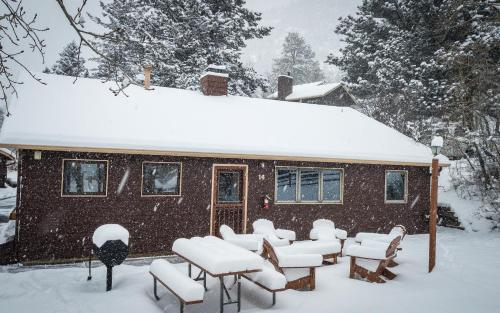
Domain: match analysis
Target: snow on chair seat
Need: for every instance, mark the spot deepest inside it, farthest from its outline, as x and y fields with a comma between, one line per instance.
x=184, y=288
x=252, y=242
x=371, y=259
x=277, y=237
x=330, y=250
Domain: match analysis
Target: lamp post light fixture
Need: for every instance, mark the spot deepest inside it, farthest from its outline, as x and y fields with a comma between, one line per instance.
x=436, y=145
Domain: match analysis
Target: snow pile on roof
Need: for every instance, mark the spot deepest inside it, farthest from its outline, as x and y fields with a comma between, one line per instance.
x=107, y=232
x=310, y=90
x=85, y=114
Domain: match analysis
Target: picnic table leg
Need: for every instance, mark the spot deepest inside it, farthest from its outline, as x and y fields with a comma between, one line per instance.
x=274, y=298
x=221, y=280
x=189, y=270
x=205, y=281
x=182, y=307
x=239, y=293
x=155, y=289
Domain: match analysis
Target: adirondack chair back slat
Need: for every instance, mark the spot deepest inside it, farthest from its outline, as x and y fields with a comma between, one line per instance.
x=391, y=250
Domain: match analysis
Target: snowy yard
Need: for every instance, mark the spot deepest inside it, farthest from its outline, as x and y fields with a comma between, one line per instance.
x=466, y=279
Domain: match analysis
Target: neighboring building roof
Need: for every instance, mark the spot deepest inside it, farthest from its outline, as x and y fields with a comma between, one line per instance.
x=8, y=154
x=86, y=116
x=308, y=91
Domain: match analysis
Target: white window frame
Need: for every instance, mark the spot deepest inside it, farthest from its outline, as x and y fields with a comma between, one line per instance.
x=405, y=191
x=297, y=200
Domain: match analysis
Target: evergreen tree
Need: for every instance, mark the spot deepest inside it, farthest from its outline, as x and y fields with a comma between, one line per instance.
x=297, y=58
x=179, y=39
x=431, y=66
x=70, y=63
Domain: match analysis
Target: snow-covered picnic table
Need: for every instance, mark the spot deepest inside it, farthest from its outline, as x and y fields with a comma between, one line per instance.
x=218, y=258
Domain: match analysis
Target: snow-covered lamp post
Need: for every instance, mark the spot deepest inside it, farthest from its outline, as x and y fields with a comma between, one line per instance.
x=436, y=145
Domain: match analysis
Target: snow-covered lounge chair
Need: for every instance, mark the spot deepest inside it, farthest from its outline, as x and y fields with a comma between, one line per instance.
x=324, y=230
x=252, y=242
x=398, y=230
x=371, y=259
x=299, y=269
x=184, y=288
x=277, y=237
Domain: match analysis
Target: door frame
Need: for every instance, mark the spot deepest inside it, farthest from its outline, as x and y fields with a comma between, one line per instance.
x=244, y=168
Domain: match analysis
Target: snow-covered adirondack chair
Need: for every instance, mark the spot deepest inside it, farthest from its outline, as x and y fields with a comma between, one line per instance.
x=252, y=242
x=398, y=230
x=371, y=259
x=298, y=269
x=324, y=230
x=277, y=237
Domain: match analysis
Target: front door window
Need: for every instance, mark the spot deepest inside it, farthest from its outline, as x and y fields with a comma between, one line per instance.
x=229, y=189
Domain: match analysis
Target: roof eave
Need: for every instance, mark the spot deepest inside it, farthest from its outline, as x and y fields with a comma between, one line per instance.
x=213, y=155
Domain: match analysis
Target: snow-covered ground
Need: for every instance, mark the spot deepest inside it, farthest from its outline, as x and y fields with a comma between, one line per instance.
x=467, y=210
x=466, y=279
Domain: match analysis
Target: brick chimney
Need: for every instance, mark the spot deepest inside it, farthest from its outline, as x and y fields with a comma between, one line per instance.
x=285, y=86
x=214, y=81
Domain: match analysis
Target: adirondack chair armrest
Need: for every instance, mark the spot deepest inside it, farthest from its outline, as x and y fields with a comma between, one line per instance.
x=367, y=252
x=299, y=260
x=286, y=234
x=340, y=234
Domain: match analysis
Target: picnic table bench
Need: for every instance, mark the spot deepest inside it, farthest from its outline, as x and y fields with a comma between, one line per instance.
x=217, y=258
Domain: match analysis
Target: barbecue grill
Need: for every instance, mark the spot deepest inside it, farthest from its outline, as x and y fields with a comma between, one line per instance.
x=110, y=245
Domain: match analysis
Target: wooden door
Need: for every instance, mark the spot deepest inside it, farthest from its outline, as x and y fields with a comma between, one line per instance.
x=229, y=197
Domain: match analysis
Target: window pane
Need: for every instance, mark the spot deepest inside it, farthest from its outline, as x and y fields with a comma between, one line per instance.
x=229, y=187
x=309, y=185
x=287, y=185
x=331, y=185
x=161, y=178
x=395, y=186
x=84, y=177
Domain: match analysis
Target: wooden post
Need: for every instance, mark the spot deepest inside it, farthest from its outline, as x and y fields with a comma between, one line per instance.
x=433, y=214
x=147, y=76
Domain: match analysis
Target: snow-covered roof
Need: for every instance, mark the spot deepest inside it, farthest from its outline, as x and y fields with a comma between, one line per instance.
x=307, y=91
x=86, y=116
x=7, y=153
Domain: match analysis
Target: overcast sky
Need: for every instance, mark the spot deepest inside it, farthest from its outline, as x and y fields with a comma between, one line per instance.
x=315, y=19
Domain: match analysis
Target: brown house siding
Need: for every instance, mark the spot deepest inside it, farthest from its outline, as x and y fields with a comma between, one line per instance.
x=51, y=227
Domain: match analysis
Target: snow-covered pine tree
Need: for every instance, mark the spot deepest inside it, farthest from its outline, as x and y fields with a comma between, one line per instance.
x=298, y=59
x=179, y=39
x=427, y=66
x=390, y=64
x=70, y=63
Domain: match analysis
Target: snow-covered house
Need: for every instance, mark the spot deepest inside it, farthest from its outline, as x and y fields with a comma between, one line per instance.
x=320, y=92
x=168, y=163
